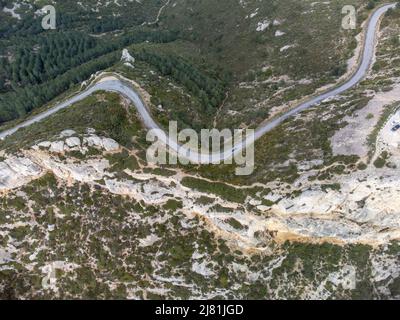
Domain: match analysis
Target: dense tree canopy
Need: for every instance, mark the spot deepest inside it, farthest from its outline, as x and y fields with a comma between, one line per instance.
x=44, y=67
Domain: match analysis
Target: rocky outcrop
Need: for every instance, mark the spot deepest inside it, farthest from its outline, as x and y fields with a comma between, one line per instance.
x=17, y=171
x=365, y=209
x=74, y=143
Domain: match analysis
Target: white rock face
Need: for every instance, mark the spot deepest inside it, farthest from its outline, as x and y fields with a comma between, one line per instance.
x=263, y=25
x=202, y=269
x=105, y=143
x=57, y=147
x=365, y=209
x=73, y=142
x=67, y=133
x=12, y=11
x=16, y=172
x=89, y=171
x=93, y=141
x=149, y=240
x=110, y=144
x=44, y=144
x=126, y=57
x=287, y=47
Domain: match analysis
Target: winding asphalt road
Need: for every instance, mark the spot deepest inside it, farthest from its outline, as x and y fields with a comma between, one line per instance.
x=124, y=89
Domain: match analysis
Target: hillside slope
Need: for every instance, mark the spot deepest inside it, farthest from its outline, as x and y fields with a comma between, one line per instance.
x=82, y=213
